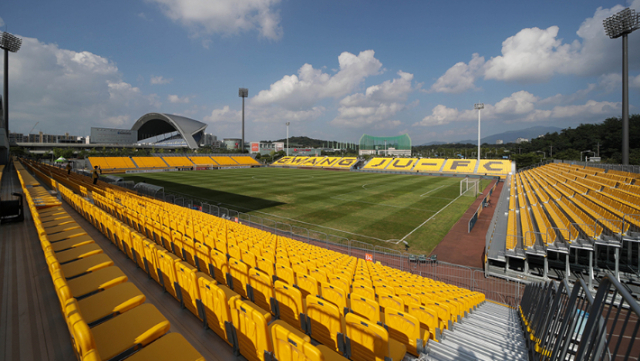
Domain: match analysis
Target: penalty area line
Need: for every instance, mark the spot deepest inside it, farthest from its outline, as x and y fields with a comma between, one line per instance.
x=430, y=218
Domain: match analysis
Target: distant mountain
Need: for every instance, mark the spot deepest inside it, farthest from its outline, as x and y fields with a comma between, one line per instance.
x=511, y=136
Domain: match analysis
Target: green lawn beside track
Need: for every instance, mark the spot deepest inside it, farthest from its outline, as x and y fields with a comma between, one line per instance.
x=368, y=207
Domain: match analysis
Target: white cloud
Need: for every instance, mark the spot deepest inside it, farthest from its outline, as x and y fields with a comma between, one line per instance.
x=227, y=17
x=635, y=82
x=68, y=91
x=523, y=106
x=302, y=91
x=566, y=99
x=160, y=80
x=377, y=105
x=178, y=100
x=460, y=77
x=223, y=115
x=534, y=55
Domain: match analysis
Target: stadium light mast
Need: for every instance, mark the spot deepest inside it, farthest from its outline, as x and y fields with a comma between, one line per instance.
x=8, y=43
x=479, y=107
x=621, y=25
x=243, y=93
x=288, y=123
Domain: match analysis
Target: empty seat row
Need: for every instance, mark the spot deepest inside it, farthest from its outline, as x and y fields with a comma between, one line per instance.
x=106, y=315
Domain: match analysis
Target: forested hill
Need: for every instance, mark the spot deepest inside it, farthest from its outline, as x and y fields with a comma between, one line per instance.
x=304, y=142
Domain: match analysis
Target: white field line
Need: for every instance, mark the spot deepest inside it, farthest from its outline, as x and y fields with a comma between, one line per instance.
x=430, y=218
x=432, y=190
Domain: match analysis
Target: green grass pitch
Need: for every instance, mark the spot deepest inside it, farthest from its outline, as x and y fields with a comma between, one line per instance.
x=370, y=207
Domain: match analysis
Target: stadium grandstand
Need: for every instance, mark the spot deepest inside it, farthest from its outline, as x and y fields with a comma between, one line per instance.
x=399, y=145
x=126, y=269
x=316, y=162
x=485, y=167
x=567, y=220
x=164, y=162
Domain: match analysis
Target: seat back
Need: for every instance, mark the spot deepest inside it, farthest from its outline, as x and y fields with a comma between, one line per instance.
x=285, y=274
x=365, y=341
x=265, y=265
x=289, y=307
x=251, y=330
x=167, y=266
x=363, y=290
x=238, y=278
x=324, y=322
x=261, y=289
x=150, y=260
x=308, y=285
x=391, y=301
x=137, y=248
x=427, y=316
x=335, y=295
x=215, y=306
x=249, y=258
x=188, y=250
x=405, y=329
x=365, y=307
x=188, y=287
x=287, y=346
x=218, y=267
x=202, y=257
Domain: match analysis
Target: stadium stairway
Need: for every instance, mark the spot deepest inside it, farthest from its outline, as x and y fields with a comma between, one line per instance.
x=491, y=332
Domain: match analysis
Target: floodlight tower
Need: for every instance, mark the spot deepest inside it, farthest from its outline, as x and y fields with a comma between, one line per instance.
x=288, y=123
x=9, y=43
x=479, y=107
x=243, y=93
x=621, y=25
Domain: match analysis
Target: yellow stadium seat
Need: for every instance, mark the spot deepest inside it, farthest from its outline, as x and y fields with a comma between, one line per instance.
x=188, y=291
x=367, y=341
x=365, y=307
x=214, y=302
x=494, y=167
x=289, y=346
x=324, y=322
x=167, y=267
x=250, y=324
x=237, y=277
x=260, y=289
x=405, y=328
x=289, y=305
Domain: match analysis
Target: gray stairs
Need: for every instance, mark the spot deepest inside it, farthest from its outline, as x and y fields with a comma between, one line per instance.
x=492, y=332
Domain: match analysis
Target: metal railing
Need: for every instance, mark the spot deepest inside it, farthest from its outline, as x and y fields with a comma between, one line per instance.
x=569, y=323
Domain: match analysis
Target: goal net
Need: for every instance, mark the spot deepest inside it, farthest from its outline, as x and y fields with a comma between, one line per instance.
x=469, y=187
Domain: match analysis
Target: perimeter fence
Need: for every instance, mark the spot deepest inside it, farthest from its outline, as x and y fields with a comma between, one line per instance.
x=500, y=290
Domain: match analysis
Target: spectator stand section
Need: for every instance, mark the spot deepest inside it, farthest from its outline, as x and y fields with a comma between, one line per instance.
x=342, y=163
x=106, y=315
x=171, y=162
x=256, y=289
x=441, y=167
x=565, y=220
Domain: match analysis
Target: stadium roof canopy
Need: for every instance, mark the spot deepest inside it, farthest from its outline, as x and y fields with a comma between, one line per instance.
x=400, y=142
x=154, y=124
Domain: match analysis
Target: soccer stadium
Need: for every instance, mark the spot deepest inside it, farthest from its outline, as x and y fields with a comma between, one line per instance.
x=157, y=241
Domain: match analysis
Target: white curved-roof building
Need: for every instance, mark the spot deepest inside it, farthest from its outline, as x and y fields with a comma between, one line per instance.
x=156, y=124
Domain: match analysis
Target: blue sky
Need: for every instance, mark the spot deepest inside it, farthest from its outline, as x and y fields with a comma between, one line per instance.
x=334, y=69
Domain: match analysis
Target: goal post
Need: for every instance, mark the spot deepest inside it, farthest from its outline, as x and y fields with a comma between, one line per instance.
x=469, y=187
